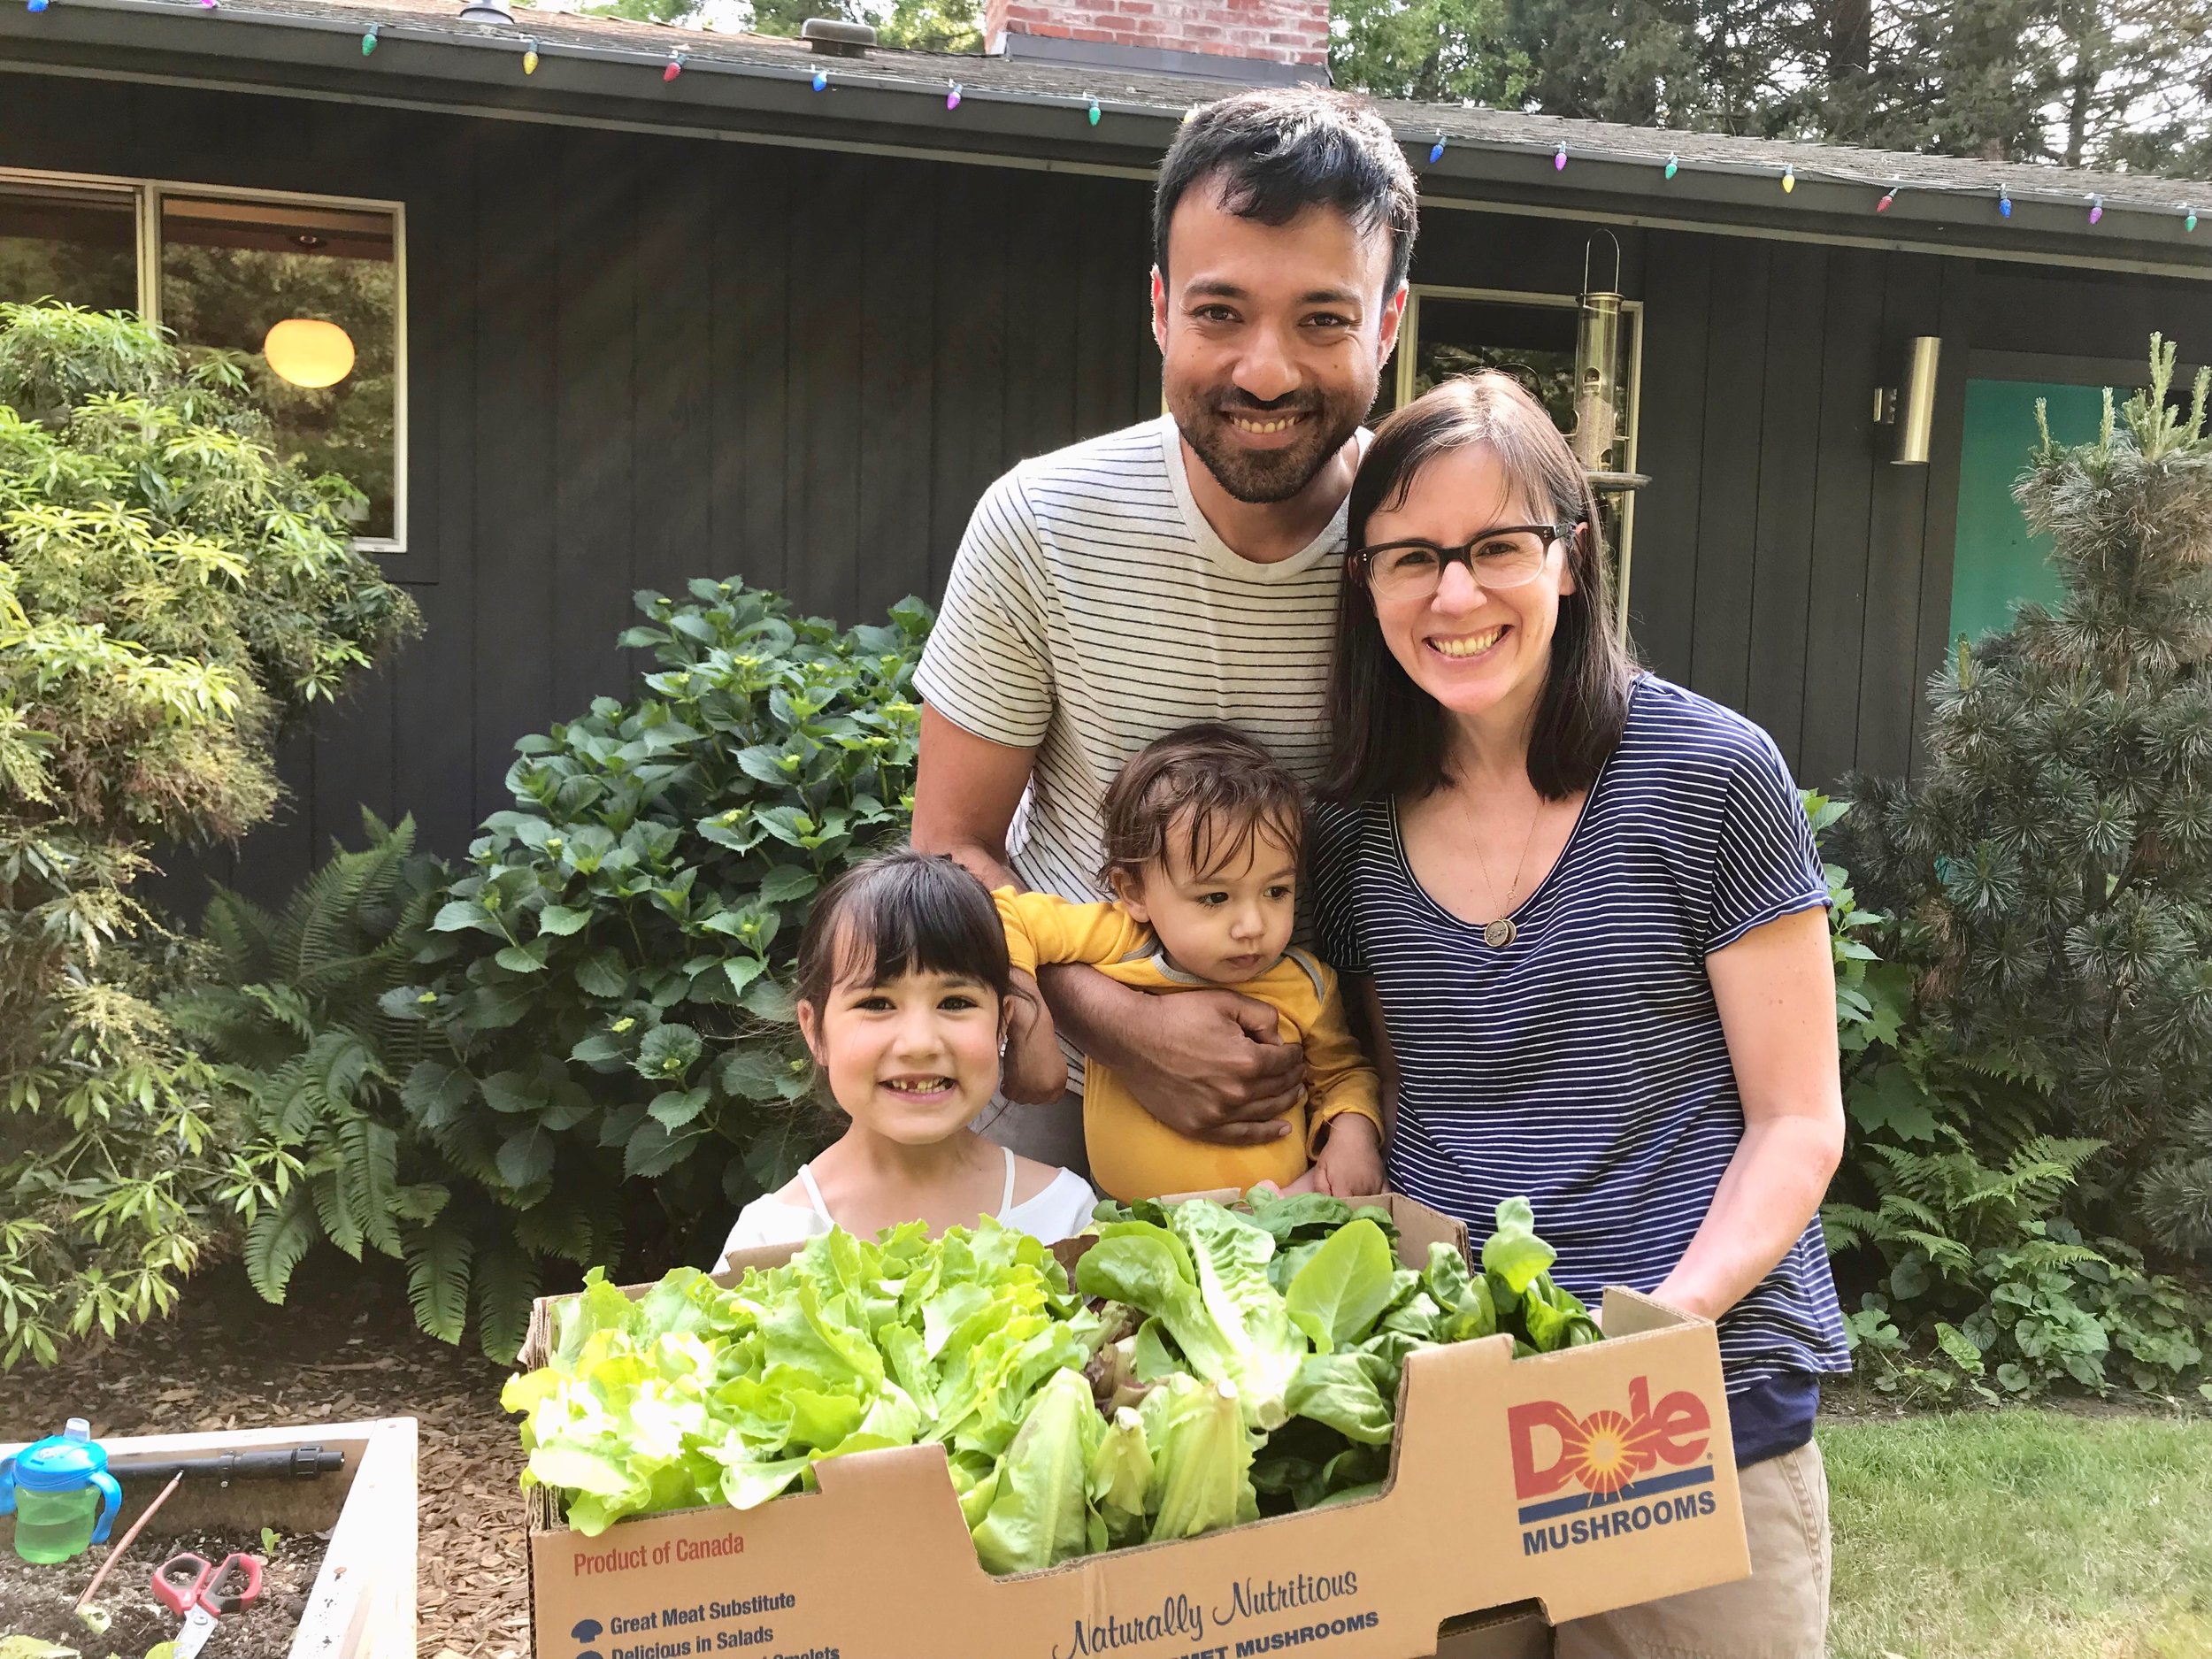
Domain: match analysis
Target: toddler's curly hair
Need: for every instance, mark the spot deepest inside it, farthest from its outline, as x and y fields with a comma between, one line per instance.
x=1210, y=783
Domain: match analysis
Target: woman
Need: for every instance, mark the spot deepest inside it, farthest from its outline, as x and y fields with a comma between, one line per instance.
x=1583, y=910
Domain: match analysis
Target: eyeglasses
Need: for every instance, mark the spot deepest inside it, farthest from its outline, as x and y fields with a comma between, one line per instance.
x=1504, y=556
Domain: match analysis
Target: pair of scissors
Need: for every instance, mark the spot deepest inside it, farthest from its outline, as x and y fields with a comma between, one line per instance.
x=201, y=1593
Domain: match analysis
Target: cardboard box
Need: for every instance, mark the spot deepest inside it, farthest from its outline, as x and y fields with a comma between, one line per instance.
x=1582, y=1481
x=1502, y=1633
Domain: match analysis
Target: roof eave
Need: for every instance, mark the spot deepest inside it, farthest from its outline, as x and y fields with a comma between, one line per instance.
x=477, y=72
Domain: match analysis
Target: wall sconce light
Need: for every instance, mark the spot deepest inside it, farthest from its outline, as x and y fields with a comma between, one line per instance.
x=1909, y=406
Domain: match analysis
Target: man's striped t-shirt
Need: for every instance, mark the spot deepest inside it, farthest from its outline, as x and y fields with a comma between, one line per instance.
x=1584, y=1064
x=1092, y=609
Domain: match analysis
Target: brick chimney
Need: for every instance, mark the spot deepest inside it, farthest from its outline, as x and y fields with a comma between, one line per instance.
x=1269, y=43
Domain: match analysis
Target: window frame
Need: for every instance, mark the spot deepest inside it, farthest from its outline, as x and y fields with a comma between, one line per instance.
x=1408, y=364
x=147, y=193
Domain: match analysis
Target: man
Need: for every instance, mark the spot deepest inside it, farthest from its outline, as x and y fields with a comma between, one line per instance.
x=1182, y=569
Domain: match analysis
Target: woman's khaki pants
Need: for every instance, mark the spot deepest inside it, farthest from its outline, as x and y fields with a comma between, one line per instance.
x=1779, y=1612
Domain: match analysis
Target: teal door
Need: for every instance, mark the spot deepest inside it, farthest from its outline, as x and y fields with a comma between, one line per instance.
x=1996, y=564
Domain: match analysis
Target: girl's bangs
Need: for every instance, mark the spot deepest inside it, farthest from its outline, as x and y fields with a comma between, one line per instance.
x=917, y=915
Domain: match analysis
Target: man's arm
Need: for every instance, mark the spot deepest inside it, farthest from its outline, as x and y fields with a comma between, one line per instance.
x=965, y=790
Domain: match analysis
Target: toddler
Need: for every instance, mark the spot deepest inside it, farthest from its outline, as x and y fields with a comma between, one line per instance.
x=1202, y=831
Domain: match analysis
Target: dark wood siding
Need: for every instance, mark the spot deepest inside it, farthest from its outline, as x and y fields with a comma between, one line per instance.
x=635, y=360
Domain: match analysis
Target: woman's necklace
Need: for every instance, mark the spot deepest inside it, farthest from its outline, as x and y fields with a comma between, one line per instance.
x=1499, y=933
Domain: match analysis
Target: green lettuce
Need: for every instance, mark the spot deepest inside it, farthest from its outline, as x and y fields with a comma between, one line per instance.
x=1343, y=1288
x=695, y=1393
x=1040, y=1512
x=1204, y=1279
x=1202, y=1459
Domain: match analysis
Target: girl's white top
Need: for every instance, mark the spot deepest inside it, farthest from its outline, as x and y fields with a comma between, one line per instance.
x=1060, y=1211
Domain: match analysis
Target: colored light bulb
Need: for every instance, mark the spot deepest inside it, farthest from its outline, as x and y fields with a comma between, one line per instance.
x=821, y=79
x=1882, y=206
x=1559, y=159
x=2189, y=219
x=1789, y=180
x=2004, y=201
x=675, y=66
x=952, y=98
x=36, y=5
x=530, y=58
x=1674, y=165
x=368, y=42
x=1436, y=151
x=1093, y=111
x=2096, y=209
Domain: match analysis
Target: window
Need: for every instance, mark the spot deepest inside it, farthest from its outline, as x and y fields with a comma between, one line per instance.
x=307, y=293
x=1449, y=332
x=79, y=245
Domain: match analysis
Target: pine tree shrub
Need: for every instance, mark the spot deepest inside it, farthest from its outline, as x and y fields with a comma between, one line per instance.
x=2051, y=866
x=172, y=593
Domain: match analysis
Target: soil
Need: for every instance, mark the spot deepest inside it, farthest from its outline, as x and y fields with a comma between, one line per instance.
x=39, y=1601
x=343, y=1347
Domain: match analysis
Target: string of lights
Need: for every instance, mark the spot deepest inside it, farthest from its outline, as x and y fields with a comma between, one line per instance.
x=1787, y=172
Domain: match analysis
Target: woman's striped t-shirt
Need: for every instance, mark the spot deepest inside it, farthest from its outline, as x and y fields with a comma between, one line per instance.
x=1584, y=1064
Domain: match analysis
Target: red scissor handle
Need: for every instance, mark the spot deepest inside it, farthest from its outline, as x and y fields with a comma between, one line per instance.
x=176, y=1582
x=223, y=1595
x=185, y=1581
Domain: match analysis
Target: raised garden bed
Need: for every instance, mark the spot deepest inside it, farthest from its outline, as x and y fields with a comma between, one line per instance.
x=341, y=1578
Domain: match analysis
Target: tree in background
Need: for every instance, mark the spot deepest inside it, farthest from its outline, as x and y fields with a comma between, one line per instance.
x=926, y=26
x=2052, y=863
x=2086, y=82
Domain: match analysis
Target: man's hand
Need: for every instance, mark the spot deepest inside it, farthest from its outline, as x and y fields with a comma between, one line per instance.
x=1350, y=1164
x=1033, y=1071
x=1210, y=1064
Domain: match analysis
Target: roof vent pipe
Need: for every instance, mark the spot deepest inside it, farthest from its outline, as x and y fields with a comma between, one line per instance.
x=837, y=37
x=486, y=12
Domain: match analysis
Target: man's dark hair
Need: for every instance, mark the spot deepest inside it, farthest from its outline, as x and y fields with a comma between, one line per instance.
x=1274, y=152
x=1222, y=787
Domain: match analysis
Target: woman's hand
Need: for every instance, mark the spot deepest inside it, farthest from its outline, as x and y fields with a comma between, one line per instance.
x=1033, y=1070
x=1776, y=988
x=1349, y=1164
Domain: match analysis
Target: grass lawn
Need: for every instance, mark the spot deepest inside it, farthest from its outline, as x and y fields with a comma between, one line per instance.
x=2021, y=1535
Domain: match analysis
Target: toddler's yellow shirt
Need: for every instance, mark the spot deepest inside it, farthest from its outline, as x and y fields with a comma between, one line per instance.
x=1133, y=1155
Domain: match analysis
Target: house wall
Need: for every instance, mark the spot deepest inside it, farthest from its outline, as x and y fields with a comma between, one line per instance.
x=636, y=359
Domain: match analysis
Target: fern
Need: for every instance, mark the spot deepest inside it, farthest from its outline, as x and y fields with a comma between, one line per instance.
x=438, y=1259
x=506, y=1286
x=276, y=1244
x=334, y=1208
x=369, y=1174
x=321, y=1042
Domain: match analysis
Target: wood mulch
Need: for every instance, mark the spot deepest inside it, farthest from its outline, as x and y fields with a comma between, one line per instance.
x=343, y=1347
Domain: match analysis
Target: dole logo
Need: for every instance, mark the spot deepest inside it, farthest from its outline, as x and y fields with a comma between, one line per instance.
x=1607, y=1449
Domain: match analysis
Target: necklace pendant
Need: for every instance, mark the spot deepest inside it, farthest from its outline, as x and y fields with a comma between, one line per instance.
x=1499, y=933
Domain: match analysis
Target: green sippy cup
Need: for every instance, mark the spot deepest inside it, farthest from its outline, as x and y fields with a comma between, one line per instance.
x=62, y=1494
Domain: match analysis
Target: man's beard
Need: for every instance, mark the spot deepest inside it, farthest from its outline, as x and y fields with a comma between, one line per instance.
x=1267, y=475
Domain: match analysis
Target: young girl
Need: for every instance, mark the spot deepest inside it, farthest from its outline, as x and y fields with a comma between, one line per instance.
x=904, y=998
